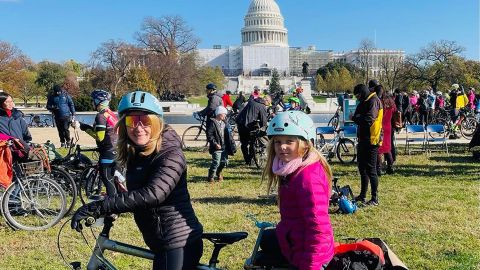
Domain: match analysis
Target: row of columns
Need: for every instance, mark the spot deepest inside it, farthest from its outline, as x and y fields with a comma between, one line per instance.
x=264, y=36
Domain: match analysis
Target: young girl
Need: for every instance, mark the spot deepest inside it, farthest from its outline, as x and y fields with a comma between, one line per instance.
x=303, y=178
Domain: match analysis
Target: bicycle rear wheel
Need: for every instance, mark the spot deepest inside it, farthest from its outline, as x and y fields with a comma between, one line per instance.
x=260, y=153
x=346, y=151
x=194, y=138
x=39, y=205
x=66, y=182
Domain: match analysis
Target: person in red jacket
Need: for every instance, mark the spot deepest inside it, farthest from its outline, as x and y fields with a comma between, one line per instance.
x=386, y=148
x=304, y=234
x=226, y=99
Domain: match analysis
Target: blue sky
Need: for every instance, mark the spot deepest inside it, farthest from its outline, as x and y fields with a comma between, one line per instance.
x=59, y=30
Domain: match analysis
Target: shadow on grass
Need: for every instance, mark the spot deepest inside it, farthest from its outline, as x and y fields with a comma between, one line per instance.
x=461, y=159
x=433, y=171
x=235, y=200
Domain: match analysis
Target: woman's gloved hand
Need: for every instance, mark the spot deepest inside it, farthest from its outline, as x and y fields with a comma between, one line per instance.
x=93, y=209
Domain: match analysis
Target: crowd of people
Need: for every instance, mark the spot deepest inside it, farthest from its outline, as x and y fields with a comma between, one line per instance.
x=139, y=140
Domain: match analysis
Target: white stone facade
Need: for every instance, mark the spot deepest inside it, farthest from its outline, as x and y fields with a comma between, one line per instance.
x=265, y=47
x=264, y=25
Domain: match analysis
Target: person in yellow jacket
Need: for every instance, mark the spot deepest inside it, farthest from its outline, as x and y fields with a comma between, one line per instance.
x=368, y=117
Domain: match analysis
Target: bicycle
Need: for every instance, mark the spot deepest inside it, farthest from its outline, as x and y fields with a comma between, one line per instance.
x=344, y=148
x=258, y=146
x=32, y=202
x=333, y=122
x=36, y=121
x=195, y=137
x=103, y=243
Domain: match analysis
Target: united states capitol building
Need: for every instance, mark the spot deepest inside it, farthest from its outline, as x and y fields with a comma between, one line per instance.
x=265, y=47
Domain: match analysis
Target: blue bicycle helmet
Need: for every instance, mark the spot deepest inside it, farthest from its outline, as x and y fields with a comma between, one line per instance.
x=293, y=123
x=347, y=206
x=100, y=96
x=141, y=101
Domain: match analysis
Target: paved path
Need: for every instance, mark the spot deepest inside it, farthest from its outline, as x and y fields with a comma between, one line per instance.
x=41, y=135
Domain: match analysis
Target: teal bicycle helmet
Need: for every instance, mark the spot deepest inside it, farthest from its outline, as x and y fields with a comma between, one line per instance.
x=140, y=101
x=292, y=123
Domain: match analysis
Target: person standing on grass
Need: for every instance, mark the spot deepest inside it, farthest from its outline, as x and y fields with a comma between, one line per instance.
x=105, y=135
x=221, y=143
x=252, y=117
x=214, y=100
x=60, y=104
x=387, y=146
x=368, y=117
x=304, y=236
x=156, y=179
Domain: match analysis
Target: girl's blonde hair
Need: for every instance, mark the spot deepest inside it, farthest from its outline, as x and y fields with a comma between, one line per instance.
x=304, y=149
x=126, y=149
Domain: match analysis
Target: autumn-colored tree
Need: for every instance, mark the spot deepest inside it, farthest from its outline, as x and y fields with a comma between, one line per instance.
x=138, y=78
x=320, y=84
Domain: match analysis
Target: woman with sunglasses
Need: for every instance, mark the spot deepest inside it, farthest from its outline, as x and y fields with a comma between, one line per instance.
x=157, y=185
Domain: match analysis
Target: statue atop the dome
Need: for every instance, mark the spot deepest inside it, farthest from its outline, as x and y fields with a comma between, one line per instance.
x=305, y=69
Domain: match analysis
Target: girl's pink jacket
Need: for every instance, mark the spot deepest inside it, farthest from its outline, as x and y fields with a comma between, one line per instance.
x=305, y=233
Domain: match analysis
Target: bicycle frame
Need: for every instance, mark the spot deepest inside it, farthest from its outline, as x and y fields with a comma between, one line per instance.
x=330, y=147
x=103, y=242
x=98, y=261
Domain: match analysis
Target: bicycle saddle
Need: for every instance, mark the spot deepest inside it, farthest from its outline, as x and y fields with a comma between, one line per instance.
x=225, y=238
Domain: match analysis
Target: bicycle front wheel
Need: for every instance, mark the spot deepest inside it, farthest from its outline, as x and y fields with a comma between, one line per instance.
x=467, y=127
x=194, y=138
x=346, y=151
x=38, y=205
x=91, y=184
x=60, y=176
x=333, y=122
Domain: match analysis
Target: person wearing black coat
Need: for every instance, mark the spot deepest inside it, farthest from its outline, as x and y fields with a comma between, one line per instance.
x=60, y=104
x=253, y=116
x=221, y=143
x=157, y=185
x=12, y=122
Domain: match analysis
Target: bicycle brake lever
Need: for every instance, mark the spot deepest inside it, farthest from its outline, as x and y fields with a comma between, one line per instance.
x=89, y=221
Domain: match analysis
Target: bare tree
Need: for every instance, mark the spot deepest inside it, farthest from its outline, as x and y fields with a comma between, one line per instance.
x=172, y=45
x=7, y=53
x=167, y=35
x=390, y=68
x=115, y=56
x=435, y=64
x=364, y=51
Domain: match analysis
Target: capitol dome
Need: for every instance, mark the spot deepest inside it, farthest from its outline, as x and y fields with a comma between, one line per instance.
x=264, y=25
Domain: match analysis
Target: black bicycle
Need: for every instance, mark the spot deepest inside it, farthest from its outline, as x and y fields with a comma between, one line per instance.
x=36, y=120
x=195, y=137
x=258, y=146
x=335, y=120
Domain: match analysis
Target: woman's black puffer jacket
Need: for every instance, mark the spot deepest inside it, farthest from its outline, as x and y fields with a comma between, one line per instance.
x=158, y=197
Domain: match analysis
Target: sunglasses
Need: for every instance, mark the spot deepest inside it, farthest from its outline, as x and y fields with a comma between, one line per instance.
x=132, y=121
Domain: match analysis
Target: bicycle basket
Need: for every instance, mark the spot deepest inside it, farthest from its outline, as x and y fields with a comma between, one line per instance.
x=31, y=168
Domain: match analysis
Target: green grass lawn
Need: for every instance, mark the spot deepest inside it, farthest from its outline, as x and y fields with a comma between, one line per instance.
x=428, y=214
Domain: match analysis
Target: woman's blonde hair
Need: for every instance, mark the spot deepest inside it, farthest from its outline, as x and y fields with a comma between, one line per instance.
x=126, y=149
x=304, y=149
